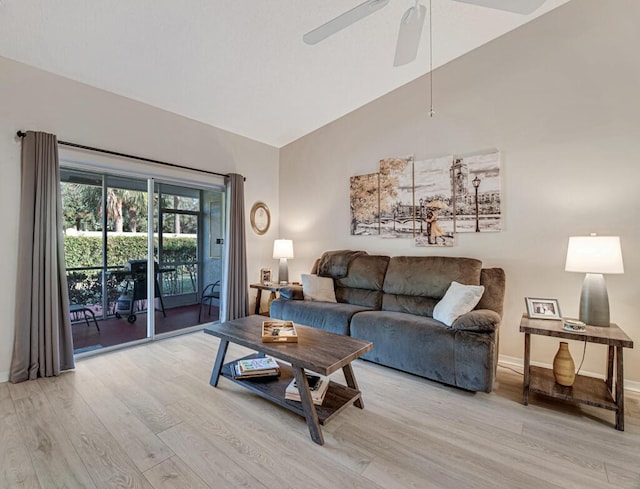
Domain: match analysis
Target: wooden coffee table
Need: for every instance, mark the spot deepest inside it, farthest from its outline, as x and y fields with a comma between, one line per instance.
x=316, y=350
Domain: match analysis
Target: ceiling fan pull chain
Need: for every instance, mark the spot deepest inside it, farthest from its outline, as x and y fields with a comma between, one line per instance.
x=431, y=111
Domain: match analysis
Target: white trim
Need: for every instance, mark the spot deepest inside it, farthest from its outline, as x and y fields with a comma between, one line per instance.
x=629, y=385
x=151, y=263
x=69, y=158
x=4, y=376
x=107, y=349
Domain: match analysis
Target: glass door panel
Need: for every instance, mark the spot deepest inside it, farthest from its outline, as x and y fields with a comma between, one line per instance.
x=126, y=257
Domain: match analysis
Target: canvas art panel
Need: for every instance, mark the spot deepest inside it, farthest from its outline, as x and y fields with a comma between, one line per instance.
x=396, y=198
x=432, y=196
x=364, y=202
x=477, y=197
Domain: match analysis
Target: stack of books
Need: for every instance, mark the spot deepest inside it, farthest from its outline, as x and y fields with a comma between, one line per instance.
x=255, y=367
x=317, y=385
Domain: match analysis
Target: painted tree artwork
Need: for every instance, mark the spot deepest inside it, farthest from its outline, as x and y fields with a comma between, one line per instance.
x=364, y=203
x=396, y=198
x=477, y=198
x=432, y=202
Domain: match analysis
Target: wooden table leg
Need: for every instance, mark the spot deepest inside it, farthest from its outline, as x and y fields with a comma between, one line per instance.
x=217, y=366
x=527, y=373
x=309, y=409
x=351, y=382
x=610, y=360
x=258, y=300
x=619, y=390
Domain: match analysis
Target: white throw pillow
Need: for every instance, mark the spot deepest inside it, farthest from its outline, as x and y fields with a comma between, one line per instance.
x=317, y=288
x=459, y=300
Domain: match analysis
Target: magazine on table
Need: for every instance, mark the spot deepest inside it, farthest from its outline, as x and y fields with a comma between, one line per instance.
x=255, y=367
x=257, y=364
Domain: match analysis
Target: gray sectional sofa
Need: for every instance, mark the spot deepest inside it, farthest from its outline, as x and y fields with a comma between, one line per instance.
x=390, y=301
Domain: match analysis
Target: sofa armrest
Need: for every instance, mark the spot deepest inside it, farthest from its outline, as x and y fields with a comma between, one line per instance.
x=478, y=320
x=291, y=292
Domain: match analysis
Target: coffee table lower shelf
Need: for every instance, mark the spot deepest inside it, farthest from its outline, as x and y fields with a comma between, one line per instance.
x=337, y=398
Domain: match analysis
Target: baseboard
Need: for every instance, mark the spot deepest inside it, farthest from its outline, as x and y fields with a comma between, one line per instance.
x=4, y=376
x=518, y=363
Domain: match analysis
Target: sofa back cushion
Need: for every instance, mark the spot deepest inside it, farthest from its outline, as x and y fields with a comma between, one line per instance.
x=494, y=283
x=415, y=284
x=362, y=283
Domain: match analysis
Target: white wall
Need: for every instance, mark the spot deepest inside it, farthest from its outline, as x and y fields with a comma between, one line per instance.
x=36, y=100
x=559, y=98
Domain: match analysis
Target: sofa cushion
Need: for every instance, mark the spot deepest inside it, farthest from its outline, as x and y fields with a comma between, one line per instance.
x=317, y=288
x=414, y=344
x=494, y=283
x=414, y=284
x=362, y=286
x=336, y=264
x=459, y=300
x=330, y=316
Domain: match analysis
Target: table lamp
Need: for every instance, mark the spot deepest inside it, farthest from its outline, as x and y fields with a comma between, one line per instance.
x=283, y=249
x=594, y=255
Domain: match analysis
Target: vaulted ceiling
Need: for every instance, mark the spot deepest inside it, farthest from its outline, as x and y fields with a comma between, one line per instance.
x=240, y=65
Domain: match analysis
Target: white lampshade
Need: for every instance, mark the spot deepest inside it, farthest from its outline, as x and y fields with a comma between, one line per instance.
x=594, y=254
x=282, y=248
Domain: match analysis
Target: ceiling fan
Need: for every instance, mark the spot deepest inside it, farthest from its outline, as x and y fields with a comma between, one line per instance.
x=410, y=24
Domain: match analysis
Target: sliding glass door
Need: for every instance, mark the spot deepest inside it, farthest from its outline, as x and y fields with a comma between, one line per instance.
x=107, y=251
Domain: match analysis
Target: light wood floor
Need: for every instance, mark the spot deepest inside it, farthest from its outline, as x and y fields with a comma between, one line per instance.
x=146, y=417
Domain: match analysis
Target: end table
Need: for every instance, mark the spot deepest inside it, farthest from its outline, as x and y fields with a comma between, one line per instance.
x=273, y=288
x=587, y=390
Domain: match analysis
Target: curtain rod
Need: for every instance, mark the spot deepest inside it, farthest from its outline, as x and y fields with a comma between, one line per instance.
x=22, y=134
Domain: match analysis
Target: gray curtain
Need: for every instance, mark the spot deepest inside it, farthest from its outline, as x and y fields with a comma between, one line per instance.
x=43, y=345
x=235, y=285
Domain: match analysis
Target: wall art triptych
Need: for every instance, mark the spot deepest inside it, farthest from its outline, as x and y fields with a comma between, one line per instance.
x=430, y=200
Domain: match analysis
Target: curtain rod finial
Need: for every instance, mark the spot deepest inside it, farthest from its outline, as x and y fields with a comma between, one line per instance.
x=21, y=134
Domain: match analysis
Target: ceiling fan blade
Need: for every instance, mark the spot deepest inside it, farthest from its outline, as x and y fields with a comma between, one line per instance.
x=523, y=7
x=409, y=35
x=344, y=20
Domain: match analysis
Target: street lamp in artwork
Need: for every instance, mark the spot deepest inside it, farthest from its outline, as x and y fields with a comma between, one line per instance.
x=421, y=201
x=476, y=184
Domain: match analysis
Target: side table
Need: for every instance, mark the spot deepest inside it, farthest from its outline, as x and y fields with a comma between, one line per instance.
x=605, y=394
x=273, y=288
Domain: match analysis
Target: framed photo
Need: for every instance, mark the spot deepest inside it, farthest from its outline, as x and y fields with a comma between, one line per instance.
x=260, y=218
x=266, y=276
x=543, y=308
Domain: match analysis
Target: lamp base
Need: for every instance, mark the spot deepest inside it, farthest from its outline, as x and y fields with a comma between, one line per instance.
x=594, y=301
x=283, y=272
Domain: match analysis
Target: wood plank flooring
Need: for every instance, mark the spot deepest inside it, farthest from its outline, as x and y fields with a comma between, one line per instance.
x=146, y=417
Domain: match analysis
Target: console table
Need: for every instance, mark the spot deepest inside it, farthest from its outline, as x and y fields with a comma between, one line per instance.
x=605, y=394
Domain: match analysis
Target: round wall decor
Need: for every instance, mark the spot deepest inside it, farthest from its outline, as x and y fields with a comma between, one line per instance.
x=260, y=218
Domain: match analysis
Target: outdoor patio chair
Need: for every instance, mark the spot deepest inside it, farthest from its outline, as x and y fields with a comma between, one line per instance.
x=209, y=294
x=76, y=309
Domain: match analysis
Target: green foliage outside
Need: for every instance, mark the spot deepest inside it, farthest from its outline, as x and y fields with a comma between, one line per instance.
x=85, y=286
x=86, y=251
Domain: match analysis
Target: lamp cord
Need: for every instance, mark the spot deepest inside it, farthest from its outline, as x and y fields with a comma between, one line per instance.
x=584, y=350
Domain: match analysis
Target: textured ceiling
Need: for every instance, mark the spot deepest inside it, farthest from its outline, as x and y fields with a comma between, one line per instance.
x=239, y=65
